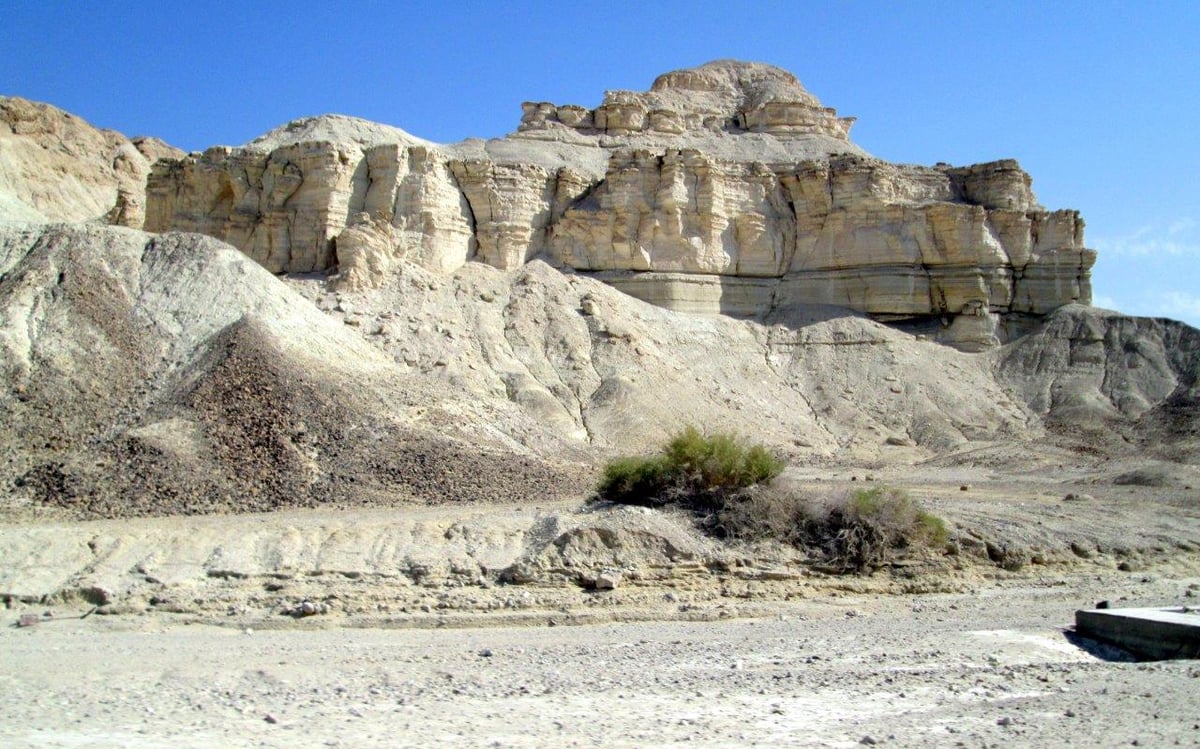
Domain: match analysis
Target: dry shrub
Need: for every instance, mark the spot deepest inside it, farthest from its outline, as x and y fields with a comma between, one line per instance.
x=765, y=512
x=868, y=527
x=732, y=488
x=862, y=530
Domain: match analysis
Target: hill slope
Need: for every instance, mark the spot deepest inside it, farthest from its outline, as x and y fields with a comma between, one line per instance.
x=150, y=375
x=163, y=374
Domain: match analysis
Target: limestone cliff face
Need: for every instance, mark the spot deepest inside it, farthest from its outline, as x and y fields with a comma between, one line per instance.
x=56, y=167
x=285, y=199
x=679, y=211
x=725, y=188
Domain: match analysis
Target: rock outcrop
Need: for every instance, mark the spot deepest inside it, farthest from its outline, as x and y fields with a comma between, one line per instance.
x=147, y=374
x=56, y=167
x=726, y=188
x=477, y=341
x=285, y=198
x=722, y=96
x=1089, y=366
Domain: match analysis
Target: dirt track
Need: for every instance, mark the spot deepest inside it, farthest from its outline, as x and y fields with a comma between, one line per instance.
x=991, y=669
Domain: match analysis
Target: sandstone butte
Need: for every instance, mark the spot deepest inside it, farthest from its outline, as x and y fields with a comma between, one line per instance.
x=725, y=188
x=375, y=320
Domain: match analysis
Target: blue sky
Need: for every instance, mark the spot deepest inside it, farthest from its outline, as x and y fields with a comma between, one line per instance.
x=1099, y=101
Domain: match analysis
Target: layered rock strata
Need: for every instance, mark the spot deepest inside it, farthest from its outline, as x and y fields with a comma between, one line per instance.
x=56, y=167
x=726, y=188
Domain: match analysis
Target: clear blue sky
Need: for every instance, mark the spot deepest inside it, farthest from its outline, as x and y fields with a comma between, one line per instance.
x=1099, y=101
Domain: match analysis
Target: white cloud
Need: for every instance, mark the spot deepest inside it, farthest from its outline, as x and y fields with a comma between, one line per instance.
x=1181, y=237
x=1105, y=302
x=1180, y=226
x=1181, y=304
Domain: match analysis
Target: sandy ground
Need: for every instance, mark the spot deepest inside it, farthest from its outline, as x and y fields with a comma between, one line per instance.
x=699, y=645
x=994, y=668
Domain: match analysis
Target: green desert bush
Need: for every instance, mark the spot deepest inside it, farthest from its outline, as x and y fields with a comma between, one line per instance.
x=693, y=469
x=635, y=480
x=732, y=487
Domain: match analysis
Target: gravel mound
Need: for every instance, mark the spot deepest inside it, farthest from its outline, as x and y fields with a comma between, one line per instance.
x=171, y=375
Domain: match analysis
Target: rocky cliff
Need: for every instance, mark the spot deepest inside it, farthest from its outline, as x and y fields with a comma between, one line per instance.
x=476, y=341
x=162, y=374
x=726, y=188
x=56, y=167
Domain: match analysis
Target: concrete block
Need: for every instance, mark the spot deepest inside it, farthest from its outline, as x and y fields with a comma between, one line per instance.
x=1149, y=634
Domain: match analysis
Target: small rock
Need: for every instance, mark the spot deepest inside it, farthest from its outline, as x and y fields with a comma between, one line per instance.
x=269, y=718
x=965, y=488
x=1081, y=551
x=308, y=608
x=868, y=741
x=485, y=653
x=1005, y=721
x=607, y=580
x=118, y=609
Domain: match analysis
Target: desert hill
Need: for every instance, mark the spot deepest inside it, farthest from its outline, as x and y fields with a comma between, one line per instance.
x=172, y=374
x=375, y=317
x=304, y=432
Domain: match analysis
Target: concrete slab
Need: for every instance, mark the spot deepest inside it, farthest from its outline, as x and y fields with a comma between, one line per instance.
x=1150, y=634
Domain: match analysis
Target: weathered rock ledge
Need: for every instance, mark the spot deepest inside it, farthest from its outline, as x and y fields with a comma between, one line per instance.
x=726, y=188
